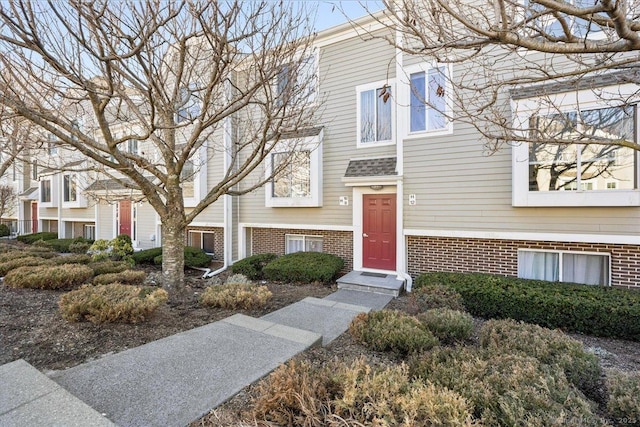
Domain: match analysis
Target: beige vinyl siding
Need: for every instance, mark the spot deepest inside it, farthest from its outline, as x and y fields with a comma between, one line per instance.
x=48, y=213
x=459, y=187
x=343, y=66
x=105, y=221
x=146, y=226
x=78, y=213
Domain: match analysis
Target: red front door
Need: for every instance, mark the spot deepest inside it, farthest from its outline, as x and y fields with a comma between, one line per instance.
x=379, y=231
x=124, y=212
x=34, y=217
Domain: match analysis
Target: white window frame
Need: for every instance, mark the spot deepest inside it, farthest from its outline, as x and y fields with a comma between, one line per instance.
x=85, y=232
x=52, y=193
x=186, y=107
x=73, y=185
x=312, y=144
x=202, y=233
x=375, y=86
x=560, y=260
x=405, y=82
x=564, y=103
x=303, y=237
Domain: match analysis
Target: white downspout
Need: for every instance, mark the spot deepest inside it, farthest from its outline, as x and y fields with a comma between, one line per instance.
x=227, y=204
x=401, y=250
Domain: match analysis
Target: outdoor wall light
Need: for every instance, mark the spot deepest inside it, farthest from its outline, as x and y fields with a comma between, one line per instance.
x=376, y=187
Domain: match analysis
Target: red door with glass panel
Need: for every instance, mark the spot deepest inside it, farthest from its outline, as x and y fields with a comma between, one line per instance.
x=124, y=212
x=379, y=231
x=34, y=217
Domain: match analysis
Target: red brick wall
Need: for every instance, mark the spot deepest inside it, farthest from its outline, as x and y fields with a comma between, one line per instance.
x=218, y=240
x=501, y=256
x=272, y=240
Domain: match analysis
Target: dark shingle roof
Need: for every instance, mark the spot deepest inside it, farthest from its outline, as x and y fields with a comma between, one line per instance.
x=110, y=184
x=302, y=133
x=581, y=83
x=371, y=167
x=65, y=166
x=27, y=192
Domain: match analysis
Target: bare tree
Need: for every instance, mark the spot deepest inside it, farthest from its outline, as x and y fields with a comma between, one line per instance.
x=499, y=46
x=7, y=199
x=183, y=81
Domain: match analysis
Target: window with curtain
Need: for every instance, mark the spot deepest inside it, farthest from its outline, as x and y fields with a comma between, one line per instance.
x=375, y=115
x=564, y=266
x=428, y=100
x=302, y=243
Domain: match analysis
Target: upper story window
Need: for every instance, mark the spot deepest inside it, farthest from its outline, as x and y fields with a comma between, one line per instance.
x=69, y=187
x=375, y=114
x=188, y=176
x=52, y=147
x=132, y=146
x=45, y=191
x=296, y=166
x=188, y=107
x=428, y=99
x=298, y=84
x=572, y=159
x=553, y=24
x=75, y=129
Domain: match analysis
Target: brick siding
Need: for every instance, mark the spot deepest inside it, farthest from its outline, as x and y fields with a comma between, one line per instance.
x=498, y=256
x=272, y=240
x=218, y=240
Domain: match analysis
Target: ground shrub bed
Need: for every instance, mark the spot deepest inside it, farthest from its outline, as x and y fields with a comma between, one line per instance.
x=304, y=267
x=423, y=298
x=594, y=310
x=64, y=245
x=390, y=330
x=234, y=295
x=126, y=277
x=49, y=276
x=447, y=325
x=146, y=256
x=32, y=238
x=624, y=396
x=252, y=266
x=4, y=230
x=72, y=259
x=114, y=302
x=108, y=267
x=193, y=257
x=27, y=261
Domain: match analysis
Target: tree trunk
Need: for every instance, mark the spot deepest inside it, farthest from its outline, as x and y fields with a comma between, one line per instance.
x=173, y=243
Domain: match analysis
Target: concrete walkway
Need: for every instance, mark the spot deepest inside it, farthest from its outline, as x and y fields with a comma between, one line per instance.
x=175, y=380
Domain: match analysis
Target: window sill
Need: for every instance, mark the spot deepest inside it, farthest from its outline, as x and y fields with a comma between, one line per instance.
x=429, y=133
x=374, y=144
x=607, y=198
x=286, y=202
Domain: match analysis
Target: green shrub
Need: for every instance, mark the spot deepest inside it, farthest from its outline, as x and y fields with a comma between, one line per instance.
x=41, y=251
x=100, y=250
x=59, y=245
x=624, y=396
x=252, y=266
x=11, y=255
x=389, y=330
x=426, y=297
x=146, y=256
x=72, y=259
x=193, y=257
x=548, y=346
x=117, y=249
x=126, y=277
x=304, y=267
x=32, y=238
x=8, y=266
x=49, y=276
x=4, y=230
x=236, y=296
x=507, y=389
x=108, y=266
x=114, y=302
x=448, y=325
x=78, y=247
x=594, y=310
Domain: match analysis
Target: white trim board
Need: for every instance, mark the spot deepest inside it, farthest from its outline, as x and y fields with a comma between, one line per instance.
x=206, y=224
x=298, y=226
x=516, y=235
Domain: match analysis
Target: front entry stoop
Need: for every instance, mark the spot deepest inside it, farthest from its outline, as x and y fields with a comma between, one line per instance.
x=379, y=283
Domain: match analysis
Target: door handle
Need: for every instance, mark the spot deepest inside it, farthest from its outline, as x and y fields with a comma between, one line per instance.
x=365, y=235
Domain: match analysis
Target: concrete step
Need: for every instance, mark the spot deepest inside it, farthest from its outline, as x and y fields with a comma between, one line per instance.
x=378, y=283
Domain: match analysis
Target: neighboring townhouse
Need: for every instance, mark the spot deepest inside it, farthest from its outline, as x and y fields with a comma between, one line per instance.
x=393, y=187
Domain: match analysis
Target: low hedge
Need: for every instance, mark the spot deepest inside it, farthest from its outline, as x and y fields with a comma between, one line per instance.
x=594, y=310
x=193, y=257
x=305, y=267
x=146, y=256
x=111, y=303
x=108, y=267
x=72, y=259
x=27, y=261
x=126, y=277
x=49, y=276
x=236, y=296
x=252, y=266
x=4, y=230
x=65, y=245
x=32, y=238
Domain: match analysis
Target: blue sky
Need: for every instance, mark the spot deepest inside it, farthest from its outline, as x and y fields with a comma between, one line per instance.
x=331, y=13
